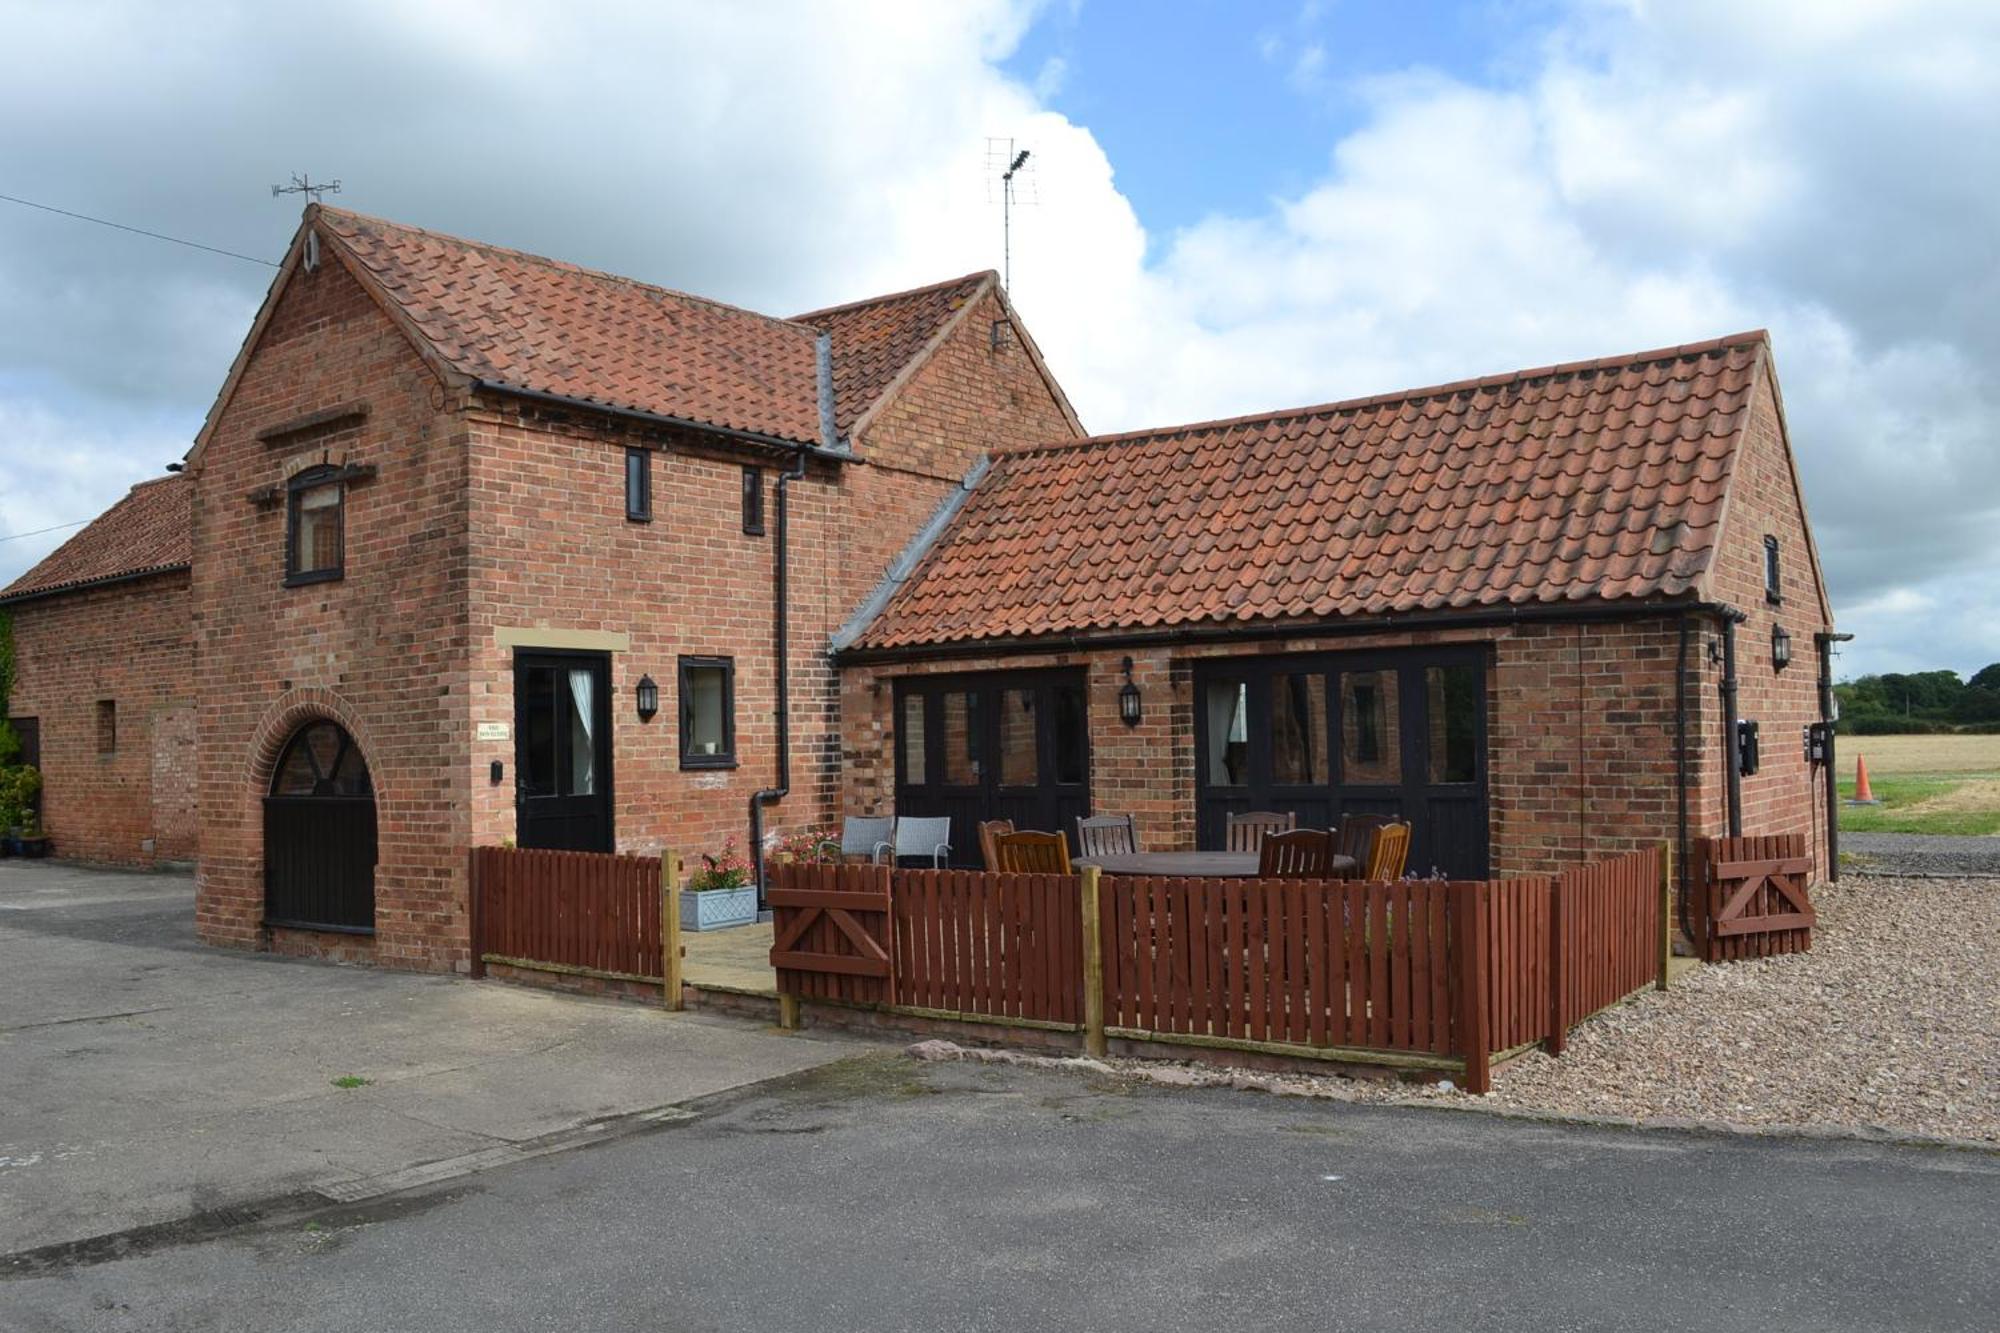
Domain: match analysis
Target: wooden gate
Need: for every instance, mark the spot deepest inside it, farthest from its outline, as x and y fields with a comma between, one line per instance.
x=1752, y=897
x=830, y=932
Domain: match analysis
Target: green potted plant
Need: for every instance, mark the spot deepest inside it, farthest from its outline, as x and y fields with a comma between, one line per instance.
x=33, y=843
x=720, y=893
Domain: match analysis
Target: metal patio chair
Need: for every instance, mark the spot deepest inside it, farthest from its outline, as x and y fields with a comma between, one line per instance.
x=1106, y=835
x=866, y=837
x=1246, y=832
x=923, y=837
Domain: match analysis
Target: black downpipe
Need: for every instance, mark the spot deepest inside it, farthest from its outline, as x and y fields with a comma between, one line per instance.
x=1826, y=710
x=1681, y=779
x=1731, y=753
x=781, y=633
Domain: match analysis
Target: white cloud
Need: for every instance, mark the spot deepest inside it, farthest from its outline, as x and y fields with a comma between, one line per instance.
x=1647, y=175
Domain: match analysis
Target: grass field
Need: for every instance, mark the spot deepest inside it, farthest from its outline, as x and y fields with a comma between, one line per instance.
x=1927, y=784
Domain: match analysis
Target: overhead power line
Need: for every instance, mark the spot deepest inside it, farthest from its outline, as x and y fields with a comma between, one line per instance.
x=16, y=536
x=138, y=231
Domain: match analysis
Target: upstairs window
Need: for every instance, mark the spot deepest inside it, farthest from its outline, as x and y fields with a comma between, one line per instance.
x=708, y=712
x=1773, y=591
x=315, y=507
x=639, y=485
x=107, y=726
x=753, y=501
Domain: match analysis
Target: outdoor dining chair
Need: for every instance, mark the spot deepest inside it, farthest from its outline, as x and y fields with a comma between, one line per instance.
x=1357, y=836
x=1296, y=854
x=923, y=837
x=865, y=837
x=1392, y=853
x=1031, y=853
x=1106, y=835
x=1246, y=832
x=989, y=830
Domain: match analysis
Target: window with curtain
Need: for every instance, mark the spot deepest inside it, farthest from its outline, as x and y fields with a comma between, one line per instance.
x=1227, y=706
x=315, y=511
x=708, y=712
x=582, y=745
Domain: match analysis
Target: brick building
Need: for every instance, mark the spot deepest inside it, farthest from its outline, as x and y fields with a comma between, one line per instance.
x=1502, y=608
x=487, y=547
x=103, y=698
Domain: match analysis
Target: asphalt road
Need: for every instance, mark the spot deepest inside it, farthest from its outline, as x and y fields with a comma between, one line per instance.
x=882, y=1194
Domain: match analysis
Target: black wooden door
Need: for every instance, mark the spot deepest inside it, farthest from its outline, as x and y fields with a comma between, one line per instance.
x=1003, y=745
x=1400, y=734
x=562, y=751
x=319, y=835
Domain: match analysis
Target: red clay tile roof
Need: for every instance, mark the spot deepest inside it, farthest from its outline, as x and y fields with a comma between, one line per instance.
x=147, y=532
x=541, y=324
x=874, y=340
x=1599, y=480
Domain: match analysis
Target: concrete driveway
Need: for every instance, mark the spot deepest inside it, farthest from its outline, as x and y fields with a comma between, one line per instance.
x=145, y=1078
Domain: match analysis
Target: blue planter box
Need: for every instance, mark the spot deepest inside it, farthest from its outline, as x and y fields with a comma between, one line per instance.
x=718, y=909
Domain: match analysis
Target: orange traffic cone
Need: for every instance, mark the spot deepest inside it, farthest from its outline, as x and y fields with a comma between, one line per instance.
x=1862, y=794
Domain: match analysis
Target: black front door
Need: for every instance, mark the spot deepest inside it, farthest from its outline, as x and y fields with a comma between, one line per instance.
x=1005, y=745
x=1400, y=734
x=562, y=750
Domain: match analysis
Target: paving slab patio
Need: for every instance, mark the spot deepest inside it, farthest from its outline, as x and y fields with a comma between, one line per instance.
x=737, y=959
x=144, y=1077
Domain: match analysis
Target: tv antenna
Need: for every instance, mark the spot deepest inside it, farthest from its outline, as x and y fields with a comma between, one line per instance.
x=306, y=186
x=1009, y=168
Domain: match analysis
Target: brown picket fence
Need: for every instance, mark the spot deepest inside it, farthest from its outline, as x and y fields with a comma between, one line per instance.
x=1007, y=946
x=830, y=932
x=1750, y=897
x=1611, y=926
x=1520, y=966
x=586, y=912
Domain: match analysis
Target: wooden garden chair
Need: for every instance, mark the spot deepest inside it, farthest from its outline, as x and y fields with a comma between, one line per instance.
x=1357, y=837
x=1391, y=853
x=1032, y=853
x=1246, y=832
x=988, y=831
x=1106, y=835
x=1296, y=854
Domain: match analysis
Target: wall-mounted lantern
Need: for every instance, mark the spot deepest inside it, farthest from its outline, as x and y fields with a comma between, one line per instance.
x=1128, y=699
x=1781, y=648
x=649, y=698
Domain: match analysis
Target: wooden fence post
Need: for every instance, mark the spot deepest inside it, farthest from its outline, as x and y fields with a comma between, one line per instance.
x=670, y=928
x=1558, y=1037
x=1468, y=901
x=1666, y=912
x=473, y=921
x=1093, y=966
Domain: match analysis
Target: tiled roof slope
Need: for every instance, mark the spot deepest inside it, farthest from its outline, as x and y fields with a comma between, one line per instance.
x=541, y=324
x=1599, y=480
x=874, y=340
x=147, y=532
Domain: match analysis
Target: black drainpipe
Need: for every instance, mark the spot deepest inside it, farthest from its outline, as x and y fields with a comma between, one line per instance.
x=1681, y=776
x=1826, y=639
x=1730, y=754
x=781, y=618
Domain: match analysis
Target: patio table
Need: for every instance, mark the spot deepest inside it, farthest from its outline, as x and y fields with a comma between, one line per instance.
x=1198, y=865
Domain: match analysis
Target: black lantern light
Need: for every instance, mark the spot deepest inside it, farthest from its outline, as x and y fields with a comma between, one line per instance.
x=1128, y=698
x=1781, y=648
x=649, y=698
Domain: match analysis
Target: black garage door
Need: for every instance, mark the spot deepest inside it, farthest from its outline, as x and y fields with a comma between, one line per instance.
x=319, y=835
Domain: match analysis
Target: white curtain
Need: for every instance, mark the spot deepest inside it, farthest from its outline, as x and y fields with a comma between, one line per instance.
x=582, y=746
x=1227, y=732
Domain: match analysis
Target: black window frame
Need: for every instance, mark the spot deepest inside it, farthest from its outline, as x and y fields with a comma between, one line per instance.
x=753, y=500
x=311, y=480
x=1773, y=571
x=639, y=507
x=727, y=666
x=106, y=714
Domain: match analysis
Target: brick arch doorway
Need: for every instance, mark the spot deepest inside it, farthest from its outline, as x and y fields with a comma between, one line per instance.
x=319, y=834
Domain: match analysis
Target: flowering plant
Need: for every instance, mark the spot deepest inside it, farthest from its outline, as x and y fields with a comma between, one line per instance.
x=809, y=846
x=729, y=870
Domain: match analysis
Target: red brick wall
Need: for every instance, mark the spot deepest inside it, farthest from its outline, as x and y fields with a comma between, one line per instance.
x=1785, y=795
x=552, y=550
x=382, y=650
x=128, y=643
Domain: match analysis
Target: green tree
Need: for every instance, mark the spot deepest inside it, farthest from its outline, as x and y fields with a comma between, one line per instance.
x=1986, y=678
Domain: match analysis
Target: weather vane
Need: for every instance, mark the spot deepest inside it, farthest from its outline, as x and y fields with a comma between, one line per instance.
x=305, y=185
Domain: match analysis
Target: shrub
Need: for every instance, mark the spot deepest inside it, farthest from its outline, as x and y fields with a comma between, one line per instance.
x=809, y=847
x=19, y=785
x=728, y=870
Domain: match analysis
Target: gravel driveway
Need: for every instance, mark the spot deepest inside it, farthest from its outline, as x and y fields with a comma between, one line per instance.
x=1891, y=1023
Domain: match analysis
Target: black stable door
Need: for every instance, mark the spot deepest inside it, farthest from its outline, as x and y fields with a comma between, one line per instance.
x=562, y=751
